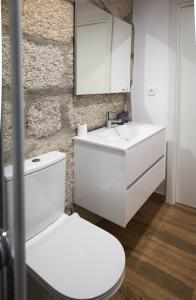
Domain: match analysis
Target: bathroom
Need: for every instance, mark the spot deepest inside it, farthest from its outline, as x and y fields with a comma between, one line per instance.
x=159, y=237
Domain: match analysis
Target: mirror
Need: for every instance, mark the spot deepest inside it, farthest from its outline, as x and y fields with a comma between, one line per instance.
x=103, y=51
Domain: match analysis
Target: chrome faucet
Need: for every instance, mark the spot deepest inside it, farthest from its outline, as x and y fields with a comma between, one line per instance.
x=110, y=123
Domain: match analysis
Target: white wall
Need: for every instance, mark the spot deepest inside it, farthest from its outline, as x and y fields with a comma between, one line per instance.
x=151, y=65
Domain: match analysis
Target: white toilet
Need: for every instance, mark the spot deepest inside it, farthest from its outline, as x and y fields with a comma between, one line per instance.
x=71, y=257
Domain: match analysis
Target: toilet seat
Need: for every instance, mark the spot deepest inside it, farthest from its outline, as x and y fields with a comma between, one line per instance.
x=76, y=259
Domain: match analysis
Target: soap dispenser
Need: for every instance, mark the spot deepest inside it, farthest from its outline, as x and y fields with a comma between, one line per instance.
x=123, y=115
x=126, y=114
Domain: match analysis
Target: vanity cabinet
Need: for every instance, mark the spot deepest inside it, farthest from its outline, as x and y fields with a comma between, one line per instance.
x=115, y=183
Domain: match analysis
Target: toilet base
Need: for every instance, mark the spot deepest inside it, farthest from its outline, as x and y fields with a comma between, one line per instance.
x=37, y=290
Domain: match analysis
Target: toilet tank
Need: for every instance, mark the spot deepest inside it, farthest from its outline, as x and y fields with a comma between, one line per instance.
x=44, y=191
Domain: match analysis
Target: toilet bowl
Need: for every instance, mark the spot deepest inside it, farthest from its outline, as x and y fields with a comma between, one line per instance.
x=67, y=255
x=77, y=259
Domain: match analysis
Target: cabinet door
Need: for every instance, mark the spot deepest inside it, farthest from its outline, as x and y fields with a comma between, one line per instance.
x=141, y=157
x=94, y=57
x=121, y=56
x=141, y=190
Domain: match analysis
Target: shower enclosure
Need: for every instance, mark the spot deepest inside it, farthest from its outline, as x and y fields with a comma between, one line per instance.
x=12, y=256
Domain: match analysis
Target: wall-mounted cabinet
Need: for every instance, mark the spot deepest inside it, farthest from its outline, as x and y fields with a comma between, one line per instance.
x=113, y=176
x=103, y=51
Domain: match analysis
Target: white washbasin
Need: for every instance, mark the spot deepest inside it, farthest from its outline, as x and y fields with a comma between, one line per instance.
x=122, y=137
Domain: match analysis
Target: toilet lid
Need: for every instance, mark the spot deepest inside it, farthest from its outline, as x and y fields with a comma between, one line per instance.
x=76, y=258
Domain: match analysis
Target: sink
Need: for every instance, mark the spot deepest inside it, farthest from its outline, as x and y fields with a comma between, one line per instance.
x=121, y=137
x=126, y=132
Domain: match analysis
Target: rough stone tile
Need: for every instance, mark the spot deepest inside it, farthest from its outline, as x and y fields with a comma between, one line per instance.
x=44, y=118
x=7, y=129
x=91, y=109
x=118, y=8
x=4, y=11
x=43, y=66
x=52, y=19
x=69, y=61
x=6, y=64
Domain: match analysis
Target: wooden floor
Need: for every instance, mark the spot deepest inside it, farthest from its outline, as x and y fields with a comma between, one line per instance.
x=160, y=247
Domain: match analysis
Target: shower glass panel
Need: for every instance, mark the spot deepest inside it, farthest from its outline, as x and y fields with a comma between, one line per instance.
x=12, y=238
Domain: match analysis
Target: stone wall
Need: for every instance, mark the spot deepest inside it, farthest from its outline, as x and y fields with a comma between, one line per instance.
x=51, y=109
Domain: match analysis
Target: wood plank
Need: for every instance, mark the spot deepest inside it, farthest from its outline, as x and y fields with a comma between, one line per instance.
x=162, y=280
x=194, y=292
x=160, y=248
x=137, y=286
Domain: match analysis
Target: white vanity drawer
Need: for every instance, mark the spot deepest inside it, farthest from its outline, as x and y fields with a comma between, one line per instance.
x=143, y=188
x=141, y=157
